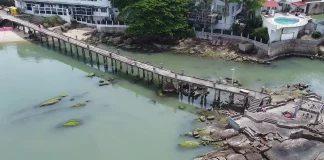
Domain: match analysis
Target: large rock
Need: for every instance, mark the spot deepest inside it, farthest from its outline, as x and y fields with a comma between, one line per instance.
x=50, y=102
x=240, y=144
x=253, y=156
x=223, y=134
x=236, y=157
x=216, y=154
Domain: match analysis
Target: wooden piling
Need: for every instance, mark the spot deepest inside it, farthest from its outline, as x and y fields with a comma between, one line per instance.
x=83, y=54
x=120, y=65
x=53, y=42
x=126, y=68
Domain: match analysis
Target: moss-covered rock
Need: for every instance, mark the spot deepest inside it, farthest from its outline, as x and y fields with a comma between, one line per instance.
x=182, y=107
x=72, y=123
x=63, y=95
x=160, y=93
x=72, y=99
x=50, y=102
x=81, y=104
x=104, y=84
x=101, y=81
x=91, y=75
x=202, y=118
x=189, y=144
x=111, y=79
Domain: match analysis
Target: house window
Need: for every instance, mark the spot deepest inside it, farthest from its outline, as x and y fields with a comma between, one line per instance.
x=103, y=9
x=96, y=9
x=29, y=6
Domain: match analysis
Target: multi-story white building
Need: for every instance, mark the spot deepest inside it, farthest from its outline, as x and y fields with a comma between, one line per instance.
x=226, y=13
x=90, y=12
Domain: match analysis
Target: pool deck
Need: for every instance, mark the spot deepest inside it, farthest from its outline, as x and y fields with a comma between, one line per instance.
x=303, y=20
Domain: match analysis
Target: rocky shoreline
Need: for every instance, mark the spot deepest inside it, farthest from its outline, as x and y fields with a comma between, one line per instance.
x=219, y=49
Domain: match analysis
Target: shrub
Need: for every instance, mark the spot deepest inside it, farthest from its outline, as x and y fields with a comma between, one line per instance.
x=316, y=34
x=52, y=21
x=261, y=33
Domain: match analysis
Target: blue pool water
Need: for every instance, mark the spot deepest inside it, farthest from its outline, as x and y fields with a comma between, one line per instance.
x=283, y=20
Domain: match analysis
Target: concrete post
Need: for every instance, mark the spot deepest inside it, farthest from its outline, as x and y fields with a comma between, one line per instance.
x=222, y=31
x=254, y=38
x=161, y=65
x=261, y=40
x=182, y=71
x=231, y=32
x=118, y=51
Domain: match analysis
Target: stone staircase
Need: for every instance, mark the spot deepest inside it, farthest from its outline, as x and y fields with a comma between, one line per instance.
x=254, y=105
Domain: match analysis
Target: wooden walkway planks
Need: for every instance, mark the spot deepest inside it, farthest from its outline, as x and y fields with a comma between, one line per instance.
x=141, y=65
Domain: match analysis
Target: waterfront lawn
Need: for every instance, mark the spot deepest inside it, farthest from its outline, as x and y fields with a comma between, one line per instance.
x=318, y=17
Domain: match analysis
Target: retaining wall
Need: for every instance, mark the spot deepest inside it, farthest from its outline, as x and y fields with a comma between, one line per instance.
x=294, y=47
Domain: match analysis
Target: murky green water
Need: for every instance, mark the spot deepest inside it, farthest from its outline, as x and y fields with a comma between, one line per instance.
x=123, y=121
x=280, y=72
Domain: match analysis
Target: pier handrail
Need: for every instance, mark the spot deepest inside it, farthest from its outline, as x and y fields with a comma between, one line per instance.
x=149, y=67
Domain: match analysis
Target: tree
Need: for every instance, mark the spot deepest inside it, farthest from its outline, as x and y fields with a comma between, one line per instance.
x=120, y=4
x=253, y=5
x=157, y=18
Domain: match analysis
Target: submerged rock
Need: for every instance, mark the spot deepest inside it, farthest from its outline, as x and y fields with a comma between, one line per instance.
x=91, y=75
x=71, y=123
x=101, y=81
x=104, y=84
x=189, y=144
x=50, y=102
x=79, y=105
x=63, y=95
x=111, y=79
x=71, y=99
x=182, y=107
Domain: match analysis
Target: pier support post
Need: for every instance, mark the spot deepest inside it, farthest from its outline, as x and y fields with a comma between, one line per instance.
x=120, y=65
x=65, y=47
x=143, y=74
x=71, y=50
x=47, y=42
x=105, y=59
x=90, y=55
x=218, y=98
x=77, y=51
x=138, y=72
x=132, y=69
x=83, y=54
x=59, y=43
x=35, y=37
x=53, y=42
x=159, y=81
x=112, y=61
x=24, y=29
x=152, y=76
x=41, y=37
x=214, y=87
x=115, y=65
x=126, y=68
x=97, y=59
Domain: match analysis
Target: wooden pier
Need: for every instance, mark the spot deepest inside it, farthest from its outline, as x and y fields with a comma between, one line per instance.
x=254, y=97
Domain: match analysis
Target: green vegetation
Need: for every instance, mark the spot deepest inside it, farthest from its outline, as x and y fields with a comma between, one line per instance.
x=316, y=34
x=50, y=102
x=52, y=21
x=157, y=18
x=252, y=6
x=72, y=123
x=189, y=144
x=7, y=3
x=120, y=4
x=261, y=33
x=81, y=104
x=218, y=145
x=318, y=17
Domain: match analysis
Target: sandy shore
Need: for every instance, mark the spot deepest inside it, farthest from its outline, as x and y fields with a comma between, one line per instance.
x=78, y=33
x=11, y=36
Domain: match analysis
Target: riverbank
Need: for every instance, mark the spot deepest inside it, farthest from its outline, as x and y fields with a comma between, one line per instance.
x=217, y=49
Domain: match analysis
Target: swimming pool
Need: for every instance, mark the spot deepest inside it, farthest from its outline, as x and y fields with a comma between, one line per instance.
x=283, y=20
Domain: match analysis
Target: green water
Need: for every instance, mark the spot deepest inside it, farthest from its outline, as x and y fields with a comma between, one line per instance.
x=123, y=121
x=120, y=122
x=280, y=72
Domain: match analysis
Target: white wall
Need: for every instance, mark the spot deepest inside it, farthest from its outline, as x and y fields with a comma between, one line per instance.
x=276, y=35
x=227, y=21
x=99, y=3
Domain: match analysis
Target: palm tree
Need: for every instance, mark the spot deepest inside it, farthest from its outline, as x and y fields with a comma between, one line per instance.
x=252, y=6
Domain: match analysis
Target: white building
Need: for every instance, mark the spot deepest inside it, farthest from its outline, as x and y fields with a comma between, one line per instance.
x=226, y=13
x=91, y=12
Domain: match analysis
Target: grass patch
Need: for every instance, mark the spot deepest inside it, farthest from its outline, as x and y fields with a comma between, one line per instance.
x=318, y=17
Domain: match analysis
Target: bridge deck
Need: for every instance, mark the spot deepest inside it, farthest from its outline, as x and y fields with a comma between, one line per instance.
x=130, y=61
